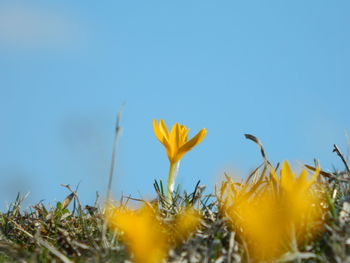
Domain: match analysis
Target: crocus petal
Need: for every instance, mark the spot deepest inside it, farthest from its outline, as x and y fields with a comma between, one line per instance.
x=301, y=182
x=157, y=131
x=191, y=143
x=184, y=132
x=164, y=129
x=172, y=137
x=169, y=149
x=178, y=136
x=287, y=176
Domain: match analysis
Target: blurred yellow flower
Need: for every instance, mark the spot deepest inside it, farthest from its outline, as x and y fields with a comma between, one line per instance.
x=175, y=141
x=147, y=237
x=143, y=233
x=275, y=215
x=296, y=192
x=176, y=145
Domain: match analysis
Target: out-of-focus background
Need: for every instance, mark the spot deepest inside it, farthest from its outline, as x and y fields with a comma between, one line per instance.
x=275, y=69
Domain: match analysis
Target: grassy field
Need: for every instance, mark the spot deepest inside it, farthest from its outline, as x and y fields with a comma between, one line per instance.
x=70, y=232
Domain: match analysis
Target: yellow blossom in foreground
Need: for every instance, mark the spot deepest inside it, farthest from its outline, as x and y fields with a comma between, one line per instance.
x=297, y=193
x=147, y=237
x=143, y=233
x=175, y=141
x=275, y=215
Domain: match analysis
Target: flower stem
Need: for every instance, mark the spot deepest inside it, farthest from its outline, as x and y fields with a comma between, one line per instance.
x=173, y=171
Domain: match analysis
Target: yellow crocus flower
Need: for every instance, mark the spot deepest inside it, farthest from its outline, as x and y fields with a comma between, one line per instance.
x=275, y=214
x=175, y=141
x=144, y=234
x=176, y=144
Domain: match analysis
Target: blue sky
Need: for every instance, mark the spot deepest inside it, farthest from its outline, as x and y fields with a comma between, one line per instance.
x=275, y=69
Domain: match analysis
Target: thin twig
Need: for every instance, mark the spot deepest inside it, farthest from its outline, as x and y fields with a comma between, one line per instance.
x=327, y=175
x=111, y=173
x=114, y=152
x=336, y=150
